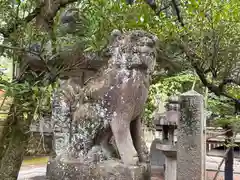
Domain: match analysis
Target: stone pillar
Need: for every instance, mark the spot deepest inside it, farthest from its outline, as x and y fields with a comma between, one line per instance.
x=191, y=143
x=171, y=166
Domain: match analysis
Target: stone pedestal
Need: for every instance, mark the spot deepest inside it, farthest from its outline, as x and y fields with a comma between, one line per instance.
x=106, y=170
x=170, y=153
x=171, y=166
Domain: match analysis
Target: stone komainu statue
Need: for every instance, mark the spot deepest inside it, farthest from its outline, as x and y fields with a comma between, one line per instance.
x=112, y=102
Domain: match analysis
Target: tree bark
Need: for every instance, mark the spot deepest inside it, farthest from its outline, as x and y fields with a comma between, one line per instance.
x=5, y=133
x=14, y=141
x=228, y=171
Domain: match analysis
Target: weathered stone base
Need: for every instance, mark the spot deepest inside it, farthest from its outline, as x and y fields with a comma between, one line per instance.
x=107, y=170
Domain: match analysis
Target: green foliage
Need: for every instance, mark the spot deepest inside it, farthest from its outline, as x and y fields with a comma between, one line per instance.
x=220, y=108
x=166, y=87
x=232, y=121
x=234, y=91
x=225, y=112
x=33, y=97
x=210, y=31
x=101, y=17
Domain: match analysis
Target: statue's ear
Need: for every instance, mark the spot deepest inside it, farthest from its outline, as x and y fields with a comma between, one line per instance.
x=114, y=34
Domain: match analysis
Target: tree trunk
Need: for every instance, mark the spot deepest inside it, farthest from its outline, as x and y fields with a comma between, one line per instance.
x=5, y=133
x=14, y=144
x=228, y=171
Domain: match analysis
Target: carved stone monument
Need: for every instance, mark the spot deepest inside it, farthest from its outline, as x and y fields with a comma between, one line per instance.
x=107, y=140
x=191, y=138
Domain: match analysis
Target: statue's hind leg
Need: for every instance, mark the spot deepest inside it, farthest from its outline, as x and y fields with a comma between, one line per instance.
x=107, y=148
x=102, y=146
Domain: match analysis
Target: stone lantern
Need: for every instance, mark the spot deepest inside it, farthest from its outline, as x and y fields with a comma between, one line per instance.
x=167, y=122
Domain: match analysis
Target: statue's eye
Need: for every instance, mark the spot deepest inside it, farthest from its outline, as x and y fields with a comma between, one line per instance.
x=134, y=50
x=134, y=38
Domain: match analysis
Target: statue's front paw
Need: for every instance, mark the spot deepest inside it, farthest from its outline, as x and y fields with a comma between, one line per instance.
x=134, y=161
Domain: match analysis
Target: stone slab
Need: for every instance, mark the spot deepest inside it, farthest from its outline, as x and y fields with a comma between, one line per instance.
x=106, y=170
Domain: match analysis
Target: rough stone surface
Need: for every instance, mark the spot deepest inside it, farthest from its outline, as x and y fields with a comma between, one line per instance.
x=107, y=170
x=116, y=96
x=87, y=116
x=191, y=145
x=97, y=124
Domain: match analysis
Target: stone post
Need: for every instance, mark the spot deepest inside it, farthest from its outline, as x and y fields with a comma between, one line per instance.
x=191, y=143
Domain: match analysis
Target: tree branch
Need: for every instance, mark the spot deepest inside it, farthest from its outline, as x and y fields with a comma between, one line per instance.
x=218, y=90
x=173, y=3
x=6, y=32
x=164, y=8
x=152, y=4
x=177, y=9
x=19, y=49
x=47, y=13
x=228, y=81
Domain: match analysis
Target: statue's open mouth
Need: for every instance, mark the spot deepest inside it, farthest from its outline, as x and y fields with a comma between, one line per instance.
x=138, y=66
